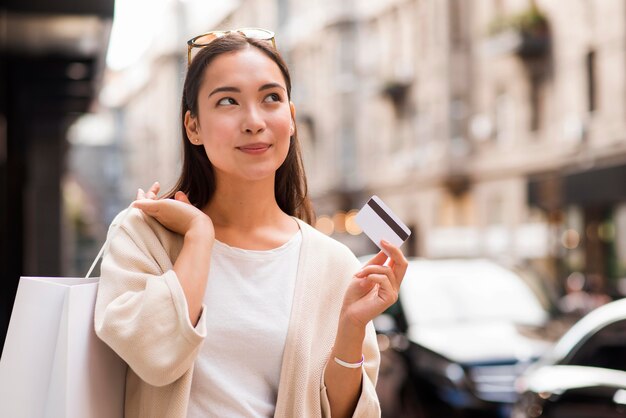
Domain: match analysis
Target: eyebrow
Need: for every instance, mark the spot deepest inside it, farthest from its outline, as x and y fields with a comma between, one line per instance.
x=237, y=90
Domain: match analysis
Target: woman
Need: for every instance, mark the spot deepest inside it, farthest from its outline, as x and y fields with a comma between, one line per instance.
x=221, y=297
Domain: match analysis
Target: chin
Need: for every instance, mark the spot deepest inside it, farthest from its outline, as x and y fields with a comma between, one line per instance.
x=258, y=175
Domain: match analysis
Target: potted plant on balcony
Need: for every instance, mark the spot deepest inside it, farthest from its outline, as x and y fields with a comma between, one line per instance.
x=526, y=33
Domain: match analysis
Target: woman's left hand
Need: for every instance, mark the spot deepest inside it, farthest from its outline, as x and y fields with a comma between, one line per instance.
x=375, y=287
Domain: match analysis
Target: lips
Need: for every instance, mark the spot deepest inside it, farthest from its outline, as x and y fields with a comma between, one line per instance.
x=254, y=147
x=257, y=148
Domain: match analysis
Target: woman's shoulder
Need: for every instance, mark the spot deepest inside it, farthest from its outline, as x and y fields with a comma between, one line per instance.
x=131, y=219
x=141, y=227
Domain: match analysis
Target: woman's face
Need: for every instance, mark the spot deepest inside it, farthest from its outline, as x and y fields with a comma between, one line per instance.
x=244, y=116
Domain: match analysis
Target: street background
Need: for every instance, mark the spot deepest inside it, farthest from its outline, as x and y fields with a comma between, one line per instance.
x=494, y=128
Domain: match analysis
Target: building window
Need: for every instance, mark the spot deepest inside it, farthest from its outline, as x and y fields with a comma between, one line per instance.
x=591, y=80
x=537, y=101
x=456, y=22
x=504, y=118
x=458, y=113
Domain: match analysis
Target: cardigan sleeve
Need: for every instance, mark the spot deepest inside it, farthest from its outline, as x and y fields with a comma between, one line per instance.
x=141, y=311
x=368, y=405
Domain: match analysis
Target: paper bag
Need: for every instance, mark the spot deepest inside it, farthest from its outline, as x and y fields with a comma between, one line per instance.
x=53, y=364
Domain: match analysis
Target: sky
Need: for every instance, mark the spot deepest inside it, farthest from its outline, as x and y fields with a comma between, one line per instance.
x=134, y=25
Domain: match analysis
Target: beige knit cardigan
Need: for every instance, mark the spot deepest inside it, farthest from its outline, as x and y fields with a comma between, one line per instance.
x=141, y=313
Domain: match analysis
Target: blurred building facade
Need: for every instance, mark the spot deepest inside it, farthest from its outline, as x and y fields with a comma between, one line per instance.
x=494, y=128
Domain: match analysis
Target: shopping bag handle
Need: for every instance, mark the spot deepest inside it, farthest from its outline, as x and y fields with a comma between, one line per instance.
x=107, y=242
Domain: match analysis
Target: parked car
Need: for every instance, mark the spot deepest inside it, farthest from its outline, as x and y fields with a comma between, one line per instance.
x=584, y=376
x=460, y=334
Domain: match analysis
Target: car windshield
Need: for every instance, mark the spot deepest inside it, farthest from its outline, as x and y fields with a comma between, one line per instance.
x=603, y=327
x=435, y=292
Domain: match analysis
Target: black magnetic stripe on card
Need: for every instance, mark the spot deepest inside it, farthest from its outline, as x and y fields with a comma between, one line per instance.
x=388, y=220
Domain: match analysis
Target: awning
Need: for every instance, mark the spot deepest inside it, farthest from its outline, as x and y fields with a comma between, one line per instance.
x=600, y=186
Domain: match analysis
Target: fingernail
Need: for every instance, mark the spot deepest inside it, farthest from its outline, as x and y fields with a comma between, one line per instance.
x=386, y=243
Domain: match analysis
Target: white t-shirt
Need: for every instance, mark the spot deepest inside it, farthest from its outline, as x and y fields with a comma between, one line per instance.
x=248, y=303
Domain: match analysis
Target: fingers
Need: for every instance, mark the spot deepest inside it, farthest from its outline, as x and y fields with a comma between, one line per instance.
x=155, y=187
x=386, y=289
x=386, y=271
x=151, y=194
x=149, y=206
x=378, y=259
x=153, y=191
x=398, y=262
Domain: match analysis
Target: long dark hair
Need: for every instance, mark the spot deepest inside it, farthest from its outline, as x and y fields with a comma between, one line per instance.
x=197, y=178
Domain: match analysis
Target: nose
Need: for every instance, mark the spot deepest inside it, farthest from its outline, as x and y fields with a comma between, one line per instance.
x=253, y=122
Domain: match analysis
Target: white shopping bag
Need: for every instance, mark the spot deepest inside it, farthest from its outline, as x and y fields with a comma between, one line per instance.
x=53, y=364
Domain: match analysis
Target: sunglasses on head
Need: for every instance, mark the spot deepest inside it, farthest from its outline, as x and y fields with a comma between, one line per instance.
x=205, y=39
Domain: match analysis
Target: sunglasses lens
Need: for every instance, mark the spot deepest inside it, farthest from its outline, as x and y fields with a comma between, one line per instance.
x=257, y=33
x=206, y=39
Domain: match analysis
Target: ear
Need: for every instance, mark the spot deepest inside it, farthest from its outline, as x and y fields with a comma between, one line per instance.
x=191, y=127
x=292, y=108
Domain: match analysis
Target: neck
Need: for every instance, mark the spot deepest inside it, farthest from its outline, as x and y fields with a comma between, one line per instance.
x=244, y=204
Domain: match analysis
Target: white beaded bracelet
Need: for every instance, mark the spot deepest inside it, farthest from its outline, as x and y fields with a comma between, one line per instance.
x=350, y=365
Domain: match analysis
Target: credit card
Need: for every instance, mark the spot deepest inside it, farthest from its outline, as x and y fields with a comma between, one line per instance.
x=380, y=223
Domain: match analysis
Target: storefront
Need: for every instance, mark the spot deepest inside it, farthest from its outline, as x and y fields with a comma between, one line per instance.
x=587, y=211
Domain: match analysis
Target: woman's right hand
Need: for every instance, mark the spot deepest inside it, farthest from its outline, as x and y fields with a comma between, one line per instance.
x=177, y=215
x=151, y=194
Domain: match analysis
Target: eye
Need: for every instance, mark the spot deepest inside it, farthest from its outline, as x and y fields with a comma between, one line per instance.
x=273, y=97
x=226, y=101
